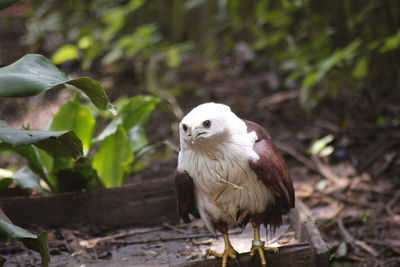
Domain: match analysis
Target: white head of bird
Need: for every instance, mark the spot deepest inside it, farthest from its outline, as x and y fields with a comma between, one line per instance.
x=209, y=123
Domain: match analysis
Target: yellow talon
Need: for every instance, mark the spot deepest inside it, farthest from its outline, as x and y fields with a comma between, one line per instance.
x=258, y=247
x=229, y=252
x=271, y=249
x=260, y=250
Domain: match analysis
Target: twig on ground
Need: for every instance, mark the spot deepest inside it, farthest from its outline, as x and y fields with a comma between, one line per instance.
x=303, y=159
x=162, y=239
x=175, y=228
x=277, y=98
x=391, y=202
x=204, y=242
x=317, y=166
x=91, y=243
x=327, y=172
x=383, y=165
x=389, y=243
x=342, y=198
x=379, y=152
x=348, y=238
x=328, y=125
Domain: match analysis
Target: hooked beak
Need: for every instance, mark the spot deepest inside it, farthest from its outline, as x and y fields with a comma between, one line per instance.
x=194, y=132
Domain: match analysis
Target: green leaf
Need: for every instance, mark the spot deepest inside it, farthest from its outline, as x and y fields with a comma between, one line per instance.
x=29, y=76
x=173, y=57
x=113, y=158
x=4, y=183
x=319, y=145
x=56, y=143
x=361, y=68
x=37, y=243
x=33, y=156
x=85, y=42
x=40, y=245
x=94, y=91
x=137, y=137
x=6, y=3
x=9, y=231
x=35, y=161
x=77, y=118
x=391, y=43
x=34, y=74
x=26, y=178
x=64, y=53
x=135, y=112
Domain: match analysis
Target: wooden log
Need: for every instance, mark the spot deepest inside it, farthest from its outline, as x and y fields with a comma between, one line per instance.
x=289, y=256
x=141, y=204
x=304, y=226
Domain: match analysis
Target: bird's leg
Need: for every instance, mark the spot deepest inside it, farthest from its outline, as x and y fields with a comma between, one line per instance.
x=258, y=246
x=229, y=251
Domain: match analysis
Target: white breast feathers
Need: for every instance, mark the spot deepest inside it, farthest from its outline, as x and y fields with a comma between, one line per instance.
x=226, y=188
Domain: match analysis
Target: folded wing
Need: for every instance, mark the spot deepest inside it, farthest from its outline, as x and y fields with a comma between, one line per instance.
x=273, y=172
x=184, y=187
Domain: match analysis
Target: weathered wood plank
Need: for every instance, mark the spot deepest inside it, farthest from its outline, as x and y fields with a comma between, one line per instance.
x=146, y=203
x=289, y=256
x=304, y=226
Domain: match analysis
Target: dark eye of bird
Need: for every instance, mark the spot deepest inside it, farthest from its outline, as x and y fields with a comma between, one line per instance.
x=207, y=124
x=184, y=127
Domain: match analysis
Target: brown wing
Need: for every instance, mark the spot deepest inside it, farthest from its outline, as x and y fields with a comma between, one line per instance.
x=272, y=170
x=185, y=194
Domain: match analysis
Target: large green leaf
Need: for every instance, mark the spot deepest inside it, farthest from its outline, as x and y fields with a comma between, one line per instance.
x=133, y=116
x=137, y=136
x=94, y=91
x=10, y=231
x=26, y=178
x=32, y=155
x=113, y=158
x=34, y=158
x=6, y=3
x=5, y=183
x=38, y=243
x=56, y=143
x=137, y=110
x=34, y=74
x=75, y=117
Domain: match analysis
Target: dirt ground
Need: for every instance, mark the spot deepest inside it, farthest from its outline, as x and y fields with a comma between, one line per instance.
x=354, y=194
x=165, y=245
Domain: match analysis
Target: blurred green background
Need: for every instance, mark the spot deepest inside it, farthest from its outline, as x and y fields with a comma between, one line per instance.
x=321, y=48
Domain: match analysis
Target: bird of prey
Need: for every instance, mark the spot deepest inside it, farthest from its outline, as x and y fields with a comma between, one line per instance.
x=230, y=172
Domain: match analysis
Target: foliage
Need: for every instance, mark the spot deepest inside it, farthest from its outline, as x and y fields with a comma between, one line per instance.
x=6, y=3
x=56, y=143
x=35, y=242
x=113, y=158
x=110, y=163
x=50, y=154
x=324, y=48
x=322, y=147
x=34, y=74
